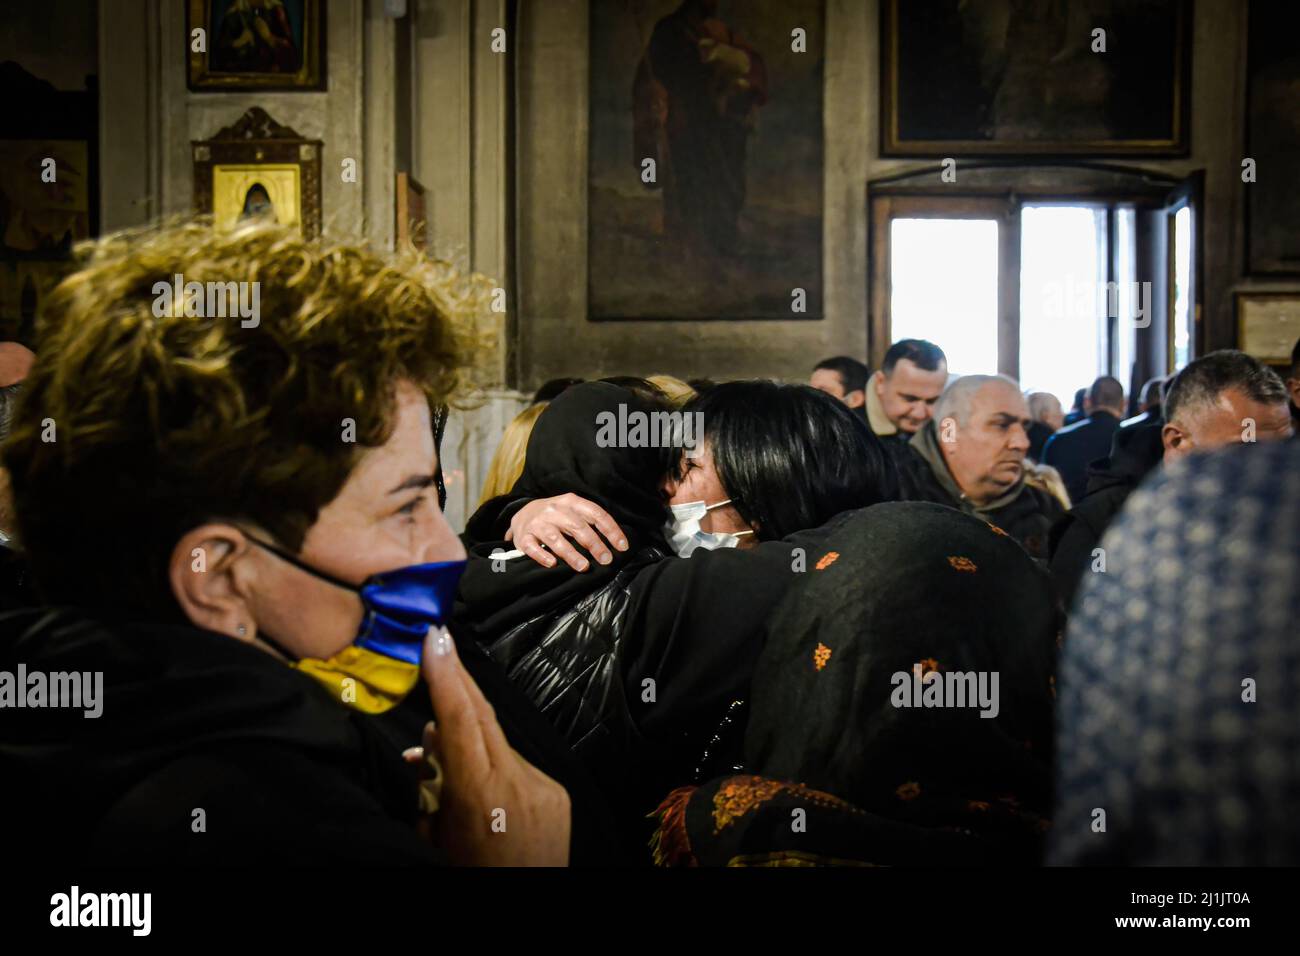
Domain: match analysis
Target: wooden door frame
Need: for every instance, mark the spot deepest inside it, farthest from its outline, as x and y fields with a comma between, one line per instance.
x=885, y=207
x=891, y=200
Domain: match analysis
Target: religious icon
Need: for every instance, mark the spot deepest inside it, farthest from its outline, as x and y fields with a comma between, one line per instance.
x=267, y=192
x=710, y=172
x=258, y=169
x=1006, y=77
x=263, y=44
x=257, y=204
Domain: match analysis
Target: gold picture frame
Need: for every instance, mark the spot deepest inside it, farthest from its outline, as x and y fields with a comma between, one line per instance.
x=256, y=167
x=1268, y=325
x=236, y=187
x=947, y=89
x=255, y=45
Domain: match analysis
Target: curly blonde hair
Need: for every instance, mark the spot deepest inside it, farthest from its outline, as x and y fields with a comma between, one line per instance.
x=139, y=423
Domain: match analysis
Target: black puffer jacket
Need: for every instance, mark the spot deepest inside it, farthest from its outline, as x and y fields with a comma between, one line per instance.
x=639, y=666
x=566, y=660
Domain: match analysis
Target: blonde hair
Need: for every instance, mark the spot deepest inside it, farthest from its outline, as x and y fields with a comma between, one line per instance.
x=675, y=390
x=508, y=462
x=166, y=419
x=1046, y=478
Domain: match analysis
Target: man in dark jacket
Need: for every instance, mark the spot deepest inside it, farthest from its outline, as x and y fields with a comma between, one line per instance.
x=1136, y=451
x=1045, y=409
x=1071, y=450
x=1223, y=398
x=1151, y=403
x=845, y=378
x=971, y=456
x=901, y=397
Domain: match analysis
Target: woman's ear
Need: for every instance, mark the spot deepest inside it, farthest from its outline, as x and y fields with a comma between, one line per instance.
x=208, y=574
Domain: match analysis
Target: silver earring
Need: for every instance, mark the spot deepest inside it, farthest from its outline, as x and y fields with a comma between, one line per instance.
x=241, y=629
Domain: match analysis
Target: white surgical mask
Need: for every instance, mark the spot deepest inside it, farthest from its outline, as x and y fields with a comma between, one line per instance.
x=684, y=534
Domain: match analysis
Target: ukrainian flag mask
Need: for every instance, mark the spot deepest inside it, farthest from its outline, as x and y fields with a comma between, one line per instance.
x=380, y=667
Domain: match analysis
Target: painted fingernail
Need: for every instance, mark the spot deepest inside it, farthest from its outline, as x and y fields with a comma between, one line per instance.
x=582, y=565
x=605, y=558
x=622, y=544
x=413, y=754
x=442, y=644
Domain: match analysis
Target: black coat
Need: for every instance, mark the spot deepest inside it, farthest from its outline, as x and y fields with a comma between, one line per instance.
x=1135, y=453
x=1072, y=449
x=193, y=719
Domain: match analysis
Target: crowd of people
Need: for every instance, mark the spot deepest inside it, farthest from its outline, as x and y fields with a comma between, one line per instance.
x=889, y=617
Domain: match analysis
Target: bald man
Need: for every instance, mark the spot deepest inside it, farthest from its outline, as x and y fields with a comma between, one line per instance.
x=971, y=456
x=1072, y=449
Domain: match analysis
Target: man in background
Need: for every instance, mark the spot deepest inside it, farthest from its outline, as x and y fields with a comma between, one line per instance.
x=1150, y=404
x=1076, y=412
x=901, y=397
x=1223, y=398
x=844, y=378
x=1071, y=450
x=971, y=456
x=1048, y=419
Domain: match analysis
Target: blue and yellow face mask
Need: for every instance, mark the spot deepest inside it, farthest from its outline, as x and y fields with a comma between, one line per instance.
x=378, y=669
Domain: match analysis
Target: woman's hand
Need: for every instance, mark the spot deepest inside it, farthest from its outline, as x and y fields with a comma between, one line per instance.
x=495, y=808
x=546, y=521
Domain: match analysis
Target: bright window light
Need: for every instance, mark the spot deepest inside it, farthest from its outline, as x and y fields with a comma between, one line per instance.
x=944, y=274
x=1126, y=277
x=1063, y=299
x=1182, y=285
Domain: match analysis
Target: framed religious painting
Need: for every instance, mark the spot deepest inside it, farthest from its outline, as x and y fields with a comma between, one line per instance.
x=255, y=45
x=258, y=169
x=1014, y=77
x=1272, y=201
x=705, y=160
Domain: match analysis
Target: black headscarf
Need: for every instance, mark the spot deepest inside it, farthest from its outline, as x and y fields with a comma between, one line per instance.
x=899, y=584
x=563, y=456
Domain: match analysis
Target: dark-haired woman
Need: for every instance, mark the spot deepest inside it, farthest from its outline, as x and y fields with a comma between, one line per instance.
x=768, y=460
x=638, y=660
